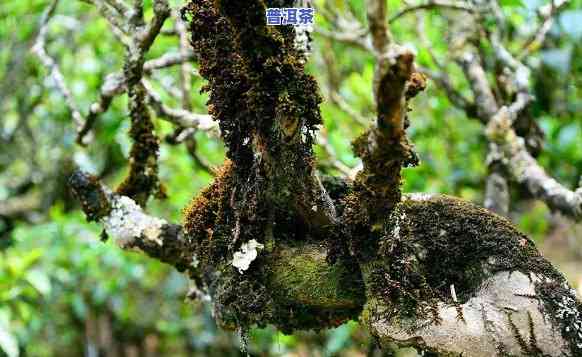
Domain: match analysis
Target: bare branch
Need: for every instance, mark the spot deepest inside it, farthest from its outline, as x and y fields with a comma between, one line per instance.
x=181, y=117
x=54, y=71
x=346, y=30
x=117, y=23
x=120, y=6
x=525, y=169
x=433, y=4
x=455, y=97
x=356, y=38
x=323, y=141
x=484, y=98
x=338, y=100
x=547, y=15
x=161, y=13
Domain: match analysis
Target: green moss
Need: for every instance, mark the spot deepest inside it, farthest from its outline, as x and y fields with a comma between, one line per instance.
x=302, y=274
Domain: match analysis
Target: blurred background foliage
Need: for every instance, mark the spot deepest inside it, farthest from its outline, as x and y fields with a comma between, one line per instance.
x=64, y=293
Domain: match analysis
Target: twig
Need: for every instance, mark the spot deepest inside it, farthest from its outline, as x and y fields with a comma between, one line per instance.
x=161, y=13
x=179, y=117
x=54, y=71
x=115, y=84
x=432, y=4
x=335, y=162
x=484, y=98
x=547, y=14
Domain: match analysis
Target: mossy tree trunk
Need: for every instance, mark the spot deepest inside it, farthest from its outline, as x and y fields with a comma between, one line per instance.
x=431, y=272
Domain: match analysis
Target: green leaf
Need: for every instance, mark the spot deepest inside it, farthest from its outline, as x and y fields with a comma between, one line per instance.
x=39, y=281
x=511, y=3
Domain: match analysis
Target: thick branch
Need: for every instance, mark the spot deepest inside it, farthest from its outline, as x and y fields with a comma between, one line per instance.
x=458, y=280
x=449, y=278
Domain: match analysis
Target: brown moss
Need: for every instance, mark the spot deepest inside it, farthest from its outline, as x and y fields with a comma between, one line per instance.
x=206, y=214
x=90, y=194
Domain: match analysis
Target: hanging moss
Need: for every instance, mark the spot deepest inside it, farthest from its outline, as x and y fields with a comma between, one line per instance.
x=142, y=180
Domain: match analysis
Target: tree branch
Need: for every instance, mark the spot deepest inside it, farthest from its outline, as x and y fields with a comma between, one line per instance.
x=384, y=148
x=547, y=16
x=525, y=169
x=54, y=71
x=129, y=225
x=433, y=4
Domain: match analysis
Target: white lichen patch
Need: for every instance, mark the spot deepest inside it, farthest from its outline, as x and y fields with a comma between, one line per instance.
x=568, y=314
x=418, y=196
x=127, y=221
x=245, y=256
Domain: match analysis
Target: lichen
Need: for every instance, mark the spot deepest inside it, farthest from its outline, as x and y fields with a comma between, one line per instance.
x=564, y=309
x=248, y=252
x=127, y=221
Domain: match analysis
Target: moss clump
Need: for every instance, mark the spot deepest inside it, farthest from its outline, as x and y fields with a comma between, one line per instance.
x=205, y=219
x=142, y=179
x=93, y=199
x=291, y=288
x=302, y=274
x=267, y=109
x=432, y=244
